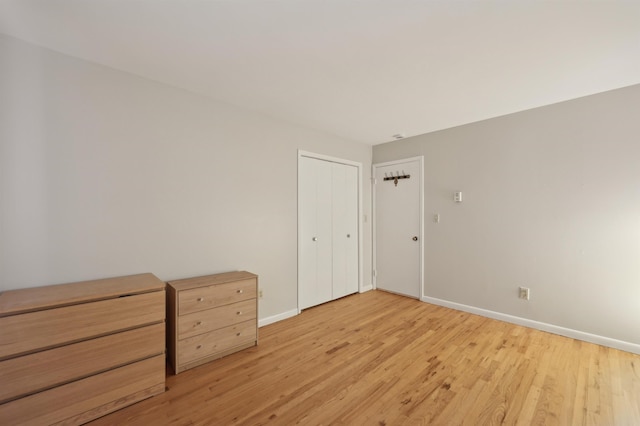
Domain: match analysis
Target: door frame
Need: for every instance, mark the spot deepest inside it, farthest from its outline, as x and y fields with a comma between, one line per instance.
x=374, y=168
x=358, y=165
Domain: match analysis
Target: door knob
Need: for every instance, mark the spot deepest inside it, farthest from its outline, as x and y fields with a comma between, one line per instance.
x=314, y=239
x=415, y=238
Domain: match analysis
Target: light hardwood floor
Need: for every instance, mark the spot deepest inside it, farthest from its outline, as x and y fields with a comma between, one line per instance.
x=382, y=359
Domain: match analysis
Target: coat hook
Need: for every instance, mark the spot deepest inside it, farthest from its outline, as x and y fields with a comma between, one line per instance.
x=396, y=177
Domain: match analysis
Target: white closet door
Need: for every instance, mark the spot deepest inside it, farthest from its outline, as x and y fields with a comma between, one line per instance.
x=315, y=232
x=345, y=229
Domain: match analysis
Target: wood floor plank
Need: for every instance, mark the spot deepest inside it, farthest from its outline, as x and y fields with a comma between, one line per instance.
x=381, y=359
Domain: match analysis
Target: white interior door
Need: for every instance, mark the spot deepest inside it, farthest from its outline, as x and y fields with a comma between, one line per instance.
x=345, y=229
x=398, y=227
x=315, y=261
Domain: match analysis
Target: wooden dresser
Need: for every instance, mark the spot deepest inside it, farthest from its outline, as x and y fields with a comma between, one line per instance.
x=71, y=353
x=210, y=317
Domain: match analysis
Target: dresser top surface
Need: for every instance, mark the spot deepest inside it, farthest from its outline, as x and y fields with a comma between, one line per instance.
x=19, y=301
x=207, y=280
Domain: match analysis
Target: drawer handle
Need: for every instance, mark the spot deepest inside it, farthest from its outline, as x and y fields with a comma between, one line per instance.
x=238, y=334
x=240, y=291
x=200, y=299
x=199, y=323
x=199, y=347
x=239, y=313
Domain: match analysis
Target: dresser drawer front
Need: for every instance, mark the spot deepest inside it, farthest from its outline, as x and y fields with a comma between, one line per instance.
x=42, y=370
x=84, y=400
x=202, y=298
x=55, y=327
x=212, y=319
x=207, y=344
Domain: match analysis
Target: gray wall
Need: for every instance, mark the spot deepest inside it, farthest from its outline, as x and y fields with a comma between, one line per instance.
x=103, y=173
x=551, y=202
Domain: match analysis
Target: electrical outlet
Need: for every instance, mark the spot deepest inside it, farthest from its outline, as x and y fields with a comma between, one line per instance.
x=524, y=293
x=260, y=294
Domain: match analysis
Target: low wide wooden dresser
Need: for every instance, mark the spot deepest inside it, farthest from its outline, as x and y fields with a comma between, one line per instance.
x=210, y=317
x=71, y=353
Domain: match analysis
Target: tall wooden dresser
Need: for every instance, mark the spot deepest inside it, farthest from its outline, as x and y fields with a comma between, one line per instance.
x=71, y=353
x=210, y=317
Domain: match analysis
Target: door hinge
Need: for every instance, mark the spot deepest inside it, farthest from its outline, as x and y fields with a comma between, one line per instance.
x=375, y=273
x=374, y=181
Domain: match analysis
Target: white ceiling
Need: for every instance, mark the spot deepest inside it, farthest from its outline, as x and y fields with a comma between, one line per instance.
x=363, y=70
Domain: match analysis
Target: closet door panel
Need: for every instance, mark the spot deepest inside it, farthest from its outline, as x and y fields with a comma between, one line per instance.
x=307, y=261
x=324, y=242
x=345, y=230
x=315, y=232
x=353, y=232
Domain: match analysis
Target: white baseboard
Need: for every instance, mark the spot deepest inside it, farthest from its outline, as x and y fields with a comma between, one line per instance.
x=292, y=313
x=275, y=318
x=567, y=332
x=366, y=288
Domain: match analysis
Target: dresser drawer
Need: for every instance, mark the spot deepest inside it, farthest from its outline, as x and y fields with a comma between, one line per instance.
x=54, y=327
x=202, y=298
x=220, y=340
x=204, y=321
x=84, y=400
x=42, y=370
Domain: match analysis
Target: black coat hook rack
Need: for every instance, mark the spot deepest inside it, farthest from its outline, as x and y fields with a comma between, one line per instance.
x=397, y=177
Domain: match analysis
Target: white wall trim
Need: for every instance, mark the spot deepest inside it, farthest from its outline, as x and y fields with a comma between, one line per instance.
x=562, y=331
x=366, y=288
x=279, y=317
x=328, y=158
